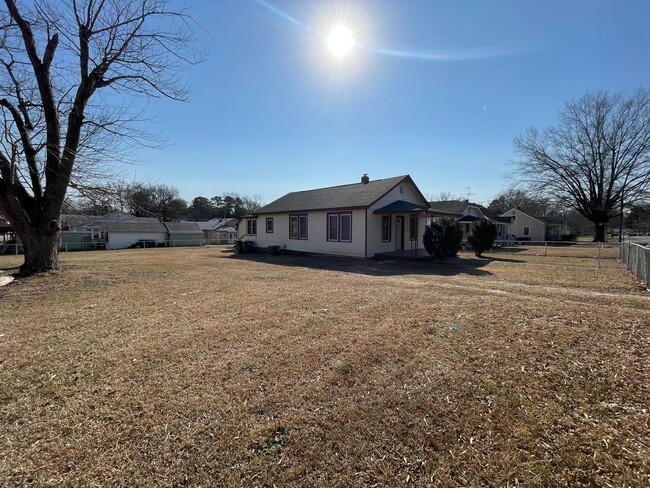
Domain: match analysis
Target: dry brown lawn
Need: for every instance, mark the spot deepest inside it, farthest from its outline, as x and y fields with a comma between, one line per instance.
x=170, y=367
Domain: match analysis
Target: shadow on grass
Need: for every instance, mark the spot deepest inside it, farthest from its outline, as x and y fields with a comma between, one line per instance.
x=372, y=267
x=502, y=260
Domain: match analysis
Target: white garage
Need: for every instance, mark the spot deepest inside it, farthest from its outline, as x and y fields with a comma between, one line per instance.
x=122, y=235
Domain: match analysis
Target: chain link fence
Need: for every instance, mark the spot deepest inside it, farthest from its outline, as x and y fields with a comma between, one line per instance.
x=636, y=258
x=590, y=254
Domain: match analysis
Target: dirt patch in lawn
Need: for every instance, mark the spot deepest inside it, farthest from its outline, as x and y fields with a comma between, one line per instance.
x=167, y=367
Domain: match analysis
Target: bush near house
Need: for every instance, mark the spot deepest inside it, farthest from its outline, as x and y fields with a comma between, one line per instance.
x=442, y=238
x=482, y=236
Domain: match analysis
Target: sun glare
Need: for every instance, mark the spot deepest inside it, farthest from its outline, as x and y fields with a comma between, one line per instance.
x=340, y=41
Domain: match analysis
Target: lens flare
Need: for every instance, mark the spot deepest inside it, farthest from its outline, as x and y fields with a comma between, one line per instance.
x=340, y=41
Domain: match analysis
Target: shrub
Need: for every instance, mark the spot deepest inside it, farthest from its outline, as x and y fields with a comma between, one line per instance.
x=454, y=233
x=482, y=236
x=442, y=238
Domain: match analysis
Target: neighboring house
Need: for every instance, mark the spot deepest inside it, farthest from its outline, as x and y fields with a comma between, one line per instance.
x=183, y=234
x=360, y=219
x=6, y=231
x=219, y=231
x=527, y=227
x=75, y=225
x=468, y=213
x=114, y=230
x=121, y=235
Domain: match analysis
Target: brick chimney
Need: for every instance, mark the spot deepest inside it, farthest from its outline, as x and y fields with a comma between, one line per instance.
x=365, y=178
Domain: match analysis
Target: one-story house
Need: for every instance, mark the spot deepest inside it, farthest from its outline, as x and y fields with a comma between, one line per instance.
x=527, y=227
x=115, y=230
x=469, y=213
x=219, y=231
x=360, y=219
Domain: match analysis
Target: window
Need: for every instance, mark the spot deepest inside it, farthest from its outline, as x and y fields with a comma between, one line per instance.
x=339, y=227
x=333, y=227
x=385, y=228
x=298, y=227
x=251, y=227
x=346, y=227
x=526, y=231
x=413, y=228
x=269, y=225
x=514, y=217
x=401, y=190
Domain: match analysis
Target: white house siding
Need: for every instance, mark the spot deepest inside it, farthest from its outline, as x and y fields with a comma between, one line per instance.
x=316, y=241
x=408, y=194
x=123, y=240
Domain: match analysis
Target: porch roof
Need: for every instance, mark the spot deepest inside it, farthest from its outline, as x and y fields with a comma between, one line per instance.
x=401, y=206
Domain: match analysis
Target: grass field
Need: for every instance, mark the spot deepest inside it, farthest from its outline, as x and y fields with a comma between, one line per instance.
x=171, y=367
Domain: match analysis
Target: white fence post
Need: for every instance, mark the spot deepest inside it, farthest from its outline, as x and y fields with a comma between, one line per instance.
x=600, y=247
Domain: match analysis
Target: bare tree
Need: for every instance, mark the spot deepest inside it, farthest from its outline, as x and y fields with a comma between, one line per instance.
x=597, y=157
x=252, y=204
x=530, y=203
x=443, y=196
x=63, y=65
x=160, y=201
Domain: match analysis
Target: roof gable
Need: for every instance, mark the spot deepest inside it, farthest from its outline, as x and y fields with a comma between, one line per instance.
x=356, y=195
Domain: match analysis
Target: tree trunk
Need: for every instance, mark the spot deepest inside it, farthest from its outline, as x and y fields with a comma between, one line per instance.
x=599, y=232
x=41, y=246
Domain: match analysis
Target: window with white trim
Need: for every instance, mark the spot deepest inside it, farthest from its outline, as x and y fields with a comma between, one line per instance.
x=269, y=225
x=526, y=231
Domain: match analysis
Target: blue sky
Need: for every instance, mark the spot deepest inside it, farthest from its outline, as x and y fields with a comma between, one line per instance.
x=272, y=110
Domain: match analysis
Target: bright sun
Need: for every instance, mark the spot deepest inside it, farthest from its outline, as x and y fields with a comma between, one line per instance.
x=340, y=41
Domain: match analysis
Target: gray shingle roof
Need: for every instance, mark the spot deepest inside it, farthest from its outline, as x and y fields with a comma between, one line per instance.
x=215, y=224
x=76, y=220
x=356, y=195
x=134, y=227
x=183, y=228
x=450, y=206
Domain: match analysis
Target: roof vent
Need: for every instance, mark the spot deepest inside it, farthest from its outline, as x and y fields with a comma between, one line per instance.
x=365, y=179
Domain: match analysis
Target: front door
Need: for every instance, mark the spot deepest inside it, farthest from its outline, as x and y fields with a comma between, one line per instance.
x=399, y=233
